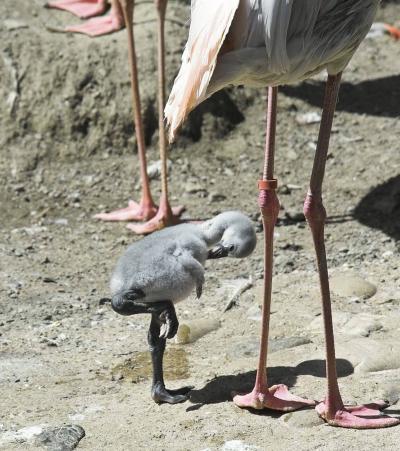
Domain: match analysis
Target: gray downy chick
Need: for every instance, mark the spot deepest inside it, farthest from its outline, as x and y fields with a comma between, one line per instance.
x=164, y=268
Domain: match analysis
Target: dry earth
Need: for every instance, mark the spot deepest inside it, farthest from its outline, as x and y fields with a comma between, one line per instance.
x=67, y=151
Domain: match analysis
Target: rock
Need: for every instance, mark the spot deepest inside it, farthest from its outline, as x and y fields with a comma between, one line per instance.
x=154, y=169
x=308, y=118
x=378, y=29
x=251, y=347
x=238, y=445
x=362, y=325
x=190, y=331
x=64, y=438
x=302, y=419
x=194, y=187
x=12, y=24
x=286, y=343
x=367, y=355
x=347, y=285
x=26, y=434
x=339, y=320
x=254, y=312
x=216, y=197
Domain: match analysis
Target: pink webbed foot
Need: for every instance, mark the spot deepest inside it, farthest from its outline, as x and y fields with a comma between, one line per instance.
x=98, y=26
x=162, y=219
x=276, y=397
x=81, y=8
x=367, y=416
x=133, y=212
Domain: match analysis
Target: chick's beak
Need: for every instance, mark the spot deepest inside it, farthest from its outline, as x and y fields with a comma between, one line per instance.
x=218, y=251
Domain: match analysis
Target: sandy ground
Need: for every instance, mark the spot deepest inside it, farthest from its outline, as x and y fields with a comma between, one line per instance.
x=67, y=150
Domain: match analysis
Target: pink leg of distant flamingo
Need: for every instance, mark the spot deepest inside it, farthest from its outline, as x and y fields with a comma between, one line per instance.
x=166, y=215
x=146, y=209
x=276, y=397
x=98, y=26
x=332, y=408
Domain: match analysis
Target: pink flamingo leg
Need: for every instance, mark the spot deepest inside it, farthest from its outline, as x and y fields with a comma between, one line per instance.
x=145, y=209
x=276, y=397
x=166, y=216
x=332, y=409
x=81, y=8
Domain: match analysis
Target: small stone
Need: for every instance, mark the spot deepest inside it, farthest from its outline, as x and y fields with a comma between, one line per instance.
x=347, y=285
x=64, y=438
x=254, y=313
x=362, y=325
x=19, y=188
x=302, y=419
x=194, y=187
x=154, y=169
x=61, y=221
x=308, y=118
x=238, y=445
x=12, y=24
x=287, y=343
x=216, y=197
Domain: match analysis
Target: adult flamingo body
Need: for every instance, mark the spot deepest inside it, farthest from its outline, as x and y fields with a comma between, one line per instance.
x=268, y=43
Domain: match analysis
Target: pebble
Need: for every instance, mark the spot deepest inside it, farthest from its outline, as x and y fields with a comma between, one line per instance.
x=361, y=325
x=190, y=331
x=194, y=187
x=64, y=438
x=254, y=313
x=308, y=118
x=352, y=285
x=368, y=356
x=238, y=445
x=25, y=434
x=302, y=419
x=216, y=197
x=12, y=24
x=154, y=169
x=251, y=348
x=286, y=343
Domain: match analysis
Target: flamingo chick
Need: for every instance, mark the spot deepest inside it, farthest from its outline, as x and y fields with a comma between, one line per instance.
x=164, y=268
x=269, y=43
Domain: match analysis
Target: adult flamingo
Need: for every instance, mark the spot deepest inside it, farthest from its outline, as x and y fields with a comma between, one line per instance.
x=269, y=43
x=122, y=13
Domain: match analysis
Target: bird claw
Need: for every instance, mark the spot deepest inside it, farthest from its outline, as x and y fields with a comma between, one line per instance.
x=161, y=395
x=170, y=324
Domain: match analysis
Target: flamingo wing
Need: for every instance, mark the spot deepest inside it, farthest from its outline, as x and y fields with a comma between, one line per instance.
x=210, y=23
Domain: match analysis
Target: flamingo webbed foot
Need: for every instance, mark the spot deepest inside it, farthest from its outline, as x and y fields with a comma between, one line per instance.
x=163, y=218
x=142, y=211
x=80, y=8
x=276, y=397
x=367, y=416
x=98, y=26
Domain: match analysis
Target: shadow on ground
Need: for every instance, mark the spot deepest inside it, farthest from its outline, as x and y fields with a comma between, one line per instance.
x=220, y=388
x=378, y=97
x=380, y=208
